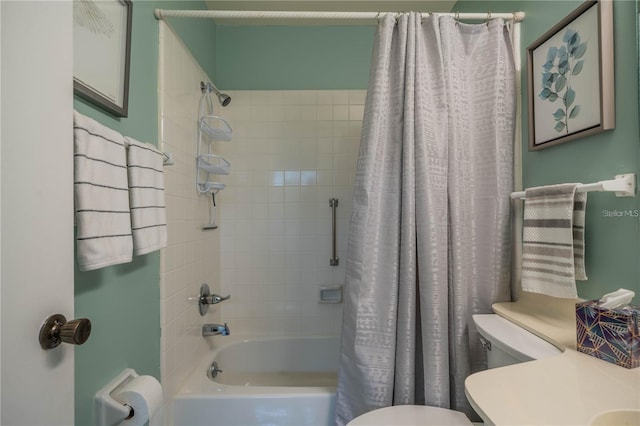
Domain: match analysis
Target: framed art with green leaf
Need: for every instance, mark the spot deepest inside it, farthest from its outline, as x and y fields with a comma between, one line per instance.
x=570, y=77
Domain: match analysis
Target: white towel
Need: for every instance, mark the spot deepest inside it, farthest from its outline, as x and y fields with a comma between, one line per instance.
x=553, y=240
x=101, y=195
x=146, y=192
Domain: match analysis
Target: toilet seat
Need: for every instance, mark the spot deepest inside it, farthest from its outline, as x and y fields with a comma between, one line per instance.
x=411, y=415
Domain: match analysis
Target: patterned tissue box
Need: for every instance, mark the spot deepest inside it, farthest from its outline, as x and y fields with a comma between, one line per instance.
x=609, y=334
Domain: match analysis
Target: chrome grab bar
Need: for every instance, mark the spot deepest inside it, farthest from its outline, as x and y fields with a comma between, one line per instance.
x=334, y=261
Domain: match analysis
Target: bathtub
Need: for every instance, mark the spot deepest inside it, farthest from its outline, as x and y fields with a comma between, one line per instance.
x=279, y=381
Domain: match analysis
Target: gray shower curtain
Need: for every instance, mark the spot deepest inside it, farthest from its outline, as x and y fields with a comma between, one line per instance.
x=429, y=241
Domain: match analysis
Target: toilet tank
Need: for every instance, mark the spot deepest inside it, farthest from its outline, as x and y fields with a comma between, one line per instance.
x=507, y=343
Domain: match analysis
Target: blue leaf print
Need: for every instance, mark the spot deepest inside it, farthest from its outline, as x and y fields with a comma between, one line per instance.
x=568, y=35
x=559, y=114
x=563, y=67
x=545, y=93
x=569, y=97
x=580, y=50
x=560, y=83
x=574, y=111
x=562, y=63
x=574, y=40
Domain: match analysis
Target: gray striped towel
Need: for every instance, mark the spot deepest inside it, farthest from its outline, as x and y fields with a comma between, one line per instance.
x=553, y=240
x=146, y=193
x=101, y=195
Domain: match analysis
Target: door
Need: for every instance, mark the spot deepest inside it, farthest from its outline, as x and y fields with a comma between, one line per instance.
x=36, y=217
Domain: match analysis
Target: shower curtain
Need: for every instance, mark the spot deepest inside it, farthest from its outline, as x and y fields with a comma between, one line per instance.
x=429, y=241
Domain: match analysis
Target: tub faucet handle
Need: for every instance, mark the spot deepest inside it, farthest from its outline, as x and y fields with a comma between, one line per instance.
x=224, y=330
x=206, y=298
x=214, y=298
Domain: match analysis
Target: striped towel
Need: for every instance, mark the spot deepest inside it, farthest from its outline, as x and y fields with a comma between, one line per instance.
x=553, y=240
x=101, y=195
x=146, y=193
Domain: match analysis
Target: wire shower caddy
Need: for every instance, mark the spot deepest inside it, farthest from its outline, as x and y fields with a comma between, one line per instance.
x=211, y=128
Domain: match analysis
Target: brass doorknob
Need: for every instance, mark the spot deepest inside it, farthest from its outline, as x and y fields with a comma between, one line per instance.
x=56, y=329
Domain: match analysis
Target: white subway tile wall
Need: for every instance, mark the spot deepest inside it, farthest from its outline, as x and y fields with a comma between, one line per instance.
x=291, y=152
x=192, y=256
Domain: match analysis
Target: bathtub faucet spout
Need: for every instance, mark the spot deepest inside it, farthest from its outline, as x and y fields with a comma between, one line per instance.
x=215, y=330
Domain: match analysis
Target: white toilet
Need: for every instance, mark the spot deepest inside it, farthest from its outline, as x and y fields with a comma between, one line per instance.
x=506, y=344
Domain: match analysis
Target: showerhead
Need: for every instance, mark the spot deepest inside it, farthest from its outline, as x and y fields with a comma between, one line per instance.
x=222, y=98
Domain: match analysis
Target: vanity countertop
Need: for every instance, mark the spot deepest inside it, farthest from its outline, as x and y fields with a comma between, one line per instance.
x=568, y=389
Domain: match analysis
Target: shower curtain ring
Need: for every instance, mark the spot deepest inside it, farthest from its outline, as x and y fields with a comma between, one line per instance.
x=378, y=17
x=488, y=17
x=457, y=17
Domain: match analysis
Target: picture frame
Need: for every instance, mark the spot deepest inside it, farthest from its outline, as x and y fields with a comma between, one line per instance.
x=102, y=53
x=571, y=77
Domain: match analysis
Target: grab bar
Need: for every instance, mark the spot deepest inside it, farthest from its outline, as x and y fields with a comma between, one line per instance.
x=334, y=261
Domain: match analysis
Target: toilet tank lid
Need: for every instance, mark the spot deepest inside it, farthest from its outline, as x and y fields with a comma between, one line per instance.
x=513, y=339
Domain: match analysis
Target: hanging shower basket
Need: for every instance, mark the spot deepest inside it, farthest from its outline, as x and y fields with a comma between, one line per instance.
x=213, y=164
x=216, y=128
x=208, y=187
x=211, y=128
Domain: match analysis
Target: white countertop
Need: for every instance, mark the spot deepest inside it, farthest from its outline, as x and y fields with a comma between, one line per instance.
x=568, y=389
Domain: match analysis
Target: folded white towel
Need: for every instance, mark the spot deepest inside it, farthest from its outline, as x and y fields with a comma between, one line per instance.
x=553, y=240
x=146, y=191
x=101, y=195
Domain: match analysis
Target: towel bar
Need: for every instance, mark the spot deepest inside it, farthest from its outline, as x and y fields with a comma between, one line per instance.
x=623, y=185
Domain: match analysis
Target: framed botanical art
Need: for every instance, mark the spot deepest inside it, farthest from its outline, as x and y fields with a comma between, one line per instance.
x=570, y=77
x=101, y=53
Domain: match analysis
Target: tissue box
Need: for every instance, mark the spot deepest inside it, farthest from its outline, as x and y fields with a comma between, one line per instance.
x=609, y=334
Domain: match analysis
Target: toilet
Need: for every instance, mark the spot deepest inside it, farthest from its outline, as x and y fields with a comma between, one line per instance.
x=506, y=344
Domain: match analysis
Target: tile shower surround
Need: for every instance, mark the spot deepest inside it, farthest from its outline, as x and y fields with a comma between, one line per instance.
x=291, y=151
x=192, y=256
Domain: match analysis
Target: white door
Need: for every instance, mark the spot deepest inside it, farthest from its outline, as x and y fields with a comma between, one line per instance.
x=36, y=219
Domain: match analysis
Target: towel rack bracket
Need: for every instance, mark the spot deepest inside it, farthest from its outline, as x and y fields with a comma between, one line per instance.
x=167, y=159
x=625, y=185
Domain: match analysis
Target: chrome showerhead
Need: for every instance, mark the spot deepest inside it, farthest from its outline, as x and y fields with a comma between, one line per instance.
x=223, y=98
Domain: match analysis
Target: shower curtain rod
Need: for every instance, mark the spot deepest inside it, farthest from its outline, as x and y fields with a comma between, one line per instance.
x=372, y=16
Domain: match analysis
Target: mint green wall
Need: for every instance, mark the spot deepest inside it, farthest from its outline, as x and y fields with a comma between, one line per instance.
x=311, y=57
x=123, y=301
x=613, y=244
x=198, y=34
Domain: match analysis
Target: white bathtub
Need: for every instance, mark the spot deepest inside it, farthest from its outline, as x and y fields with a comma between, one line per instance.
x=278, y=381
